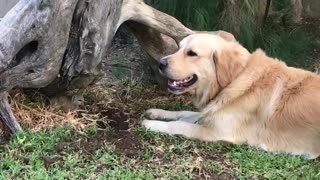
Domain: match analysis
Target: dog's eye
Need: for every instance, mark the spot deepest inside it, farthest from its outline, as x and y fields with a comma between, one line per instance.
x=191, y=53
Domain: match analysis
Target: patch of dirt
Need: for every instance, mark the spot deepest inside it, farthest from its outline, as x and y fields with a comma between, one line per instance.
x=114, y=129
x=60, y=147
x=125, y=142
x=48, y=161
x=4, y=139
x=113, y=116
x=222, y=176
x=25, y=160
x=217, y=157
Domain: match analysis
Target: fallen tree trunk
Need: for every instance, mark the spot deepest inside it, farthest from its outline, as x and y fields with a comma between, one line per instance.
x=58, y=45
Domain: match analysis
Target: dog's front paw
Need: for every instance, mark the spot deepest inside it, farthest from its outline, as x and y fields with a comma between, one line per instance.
x=157, y=126
x=155, y=114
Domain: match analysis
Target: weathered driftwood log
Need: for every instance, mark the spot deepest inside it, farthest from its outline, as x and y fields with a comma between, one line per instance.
x=58, y=45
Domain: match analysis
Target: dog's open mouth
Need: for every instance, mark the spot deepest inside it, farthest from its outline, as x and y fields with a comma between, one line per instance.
x=178, y=86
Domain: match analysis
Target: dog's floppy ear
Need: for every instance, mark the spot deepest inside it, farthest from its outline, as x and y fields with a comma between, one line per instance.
x=225, y=35
x=228, y=66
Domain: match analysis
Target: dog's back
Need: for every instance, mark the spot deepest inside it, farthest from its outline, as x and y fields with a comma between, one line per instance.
x=298, y=115
x=290, y=101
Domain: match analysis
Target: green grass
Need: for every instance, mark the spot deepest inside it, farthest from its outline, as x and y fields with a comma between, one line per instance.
x=198, y=16
x=37, y=146
x=162, y=156
x=257, y=163
x=291, y=46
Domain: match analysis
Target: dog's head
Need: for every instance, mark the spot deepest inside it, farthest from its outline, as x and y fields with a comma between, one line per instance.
x=204, y=60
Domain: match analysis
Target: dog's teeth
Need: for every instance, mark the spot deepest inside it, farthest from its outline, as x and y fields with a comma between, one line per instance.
x=187, y=79
x=174, y=83
x=179, y=83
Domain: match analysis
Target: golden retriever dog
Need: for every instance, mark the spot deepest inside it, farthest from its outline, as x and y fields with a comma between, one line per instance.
x=243, y=97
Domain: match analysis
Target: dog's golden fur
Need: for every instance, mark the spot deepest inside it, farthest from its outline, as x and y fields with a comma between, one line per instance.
x=243, y=97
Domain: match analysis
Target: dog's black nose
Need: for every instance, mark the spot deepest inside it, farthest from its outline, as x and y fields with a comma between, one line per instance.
x=163, y=64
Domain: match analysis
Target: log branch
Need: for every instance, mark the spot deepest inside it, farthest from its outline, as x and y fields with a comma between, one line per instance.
x=6, y=115
x=138, y=11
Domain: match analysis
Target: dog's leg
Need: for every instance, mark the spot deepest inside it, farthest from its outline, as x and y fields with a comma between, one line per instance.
x=159, y=114
x=189, y=116
x=192, y=131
